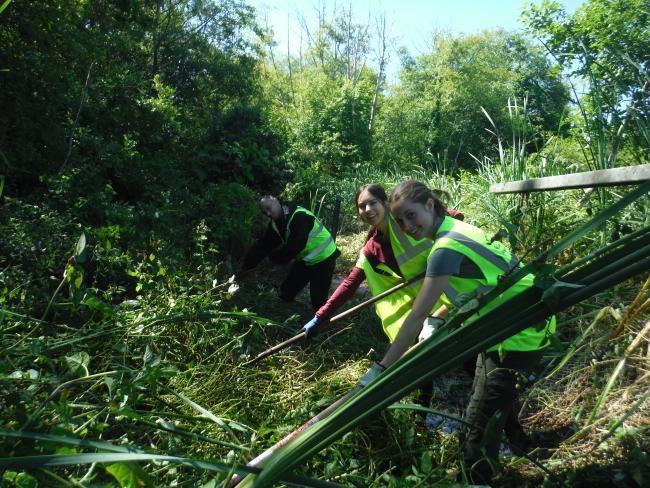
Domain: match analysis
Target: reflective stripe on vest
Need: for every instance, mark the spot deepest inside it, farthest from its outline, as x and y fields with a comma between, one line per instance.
x=481, y=250
x=394, y=308
x=410, y=248
x=313, y=235
x=411, y=255
x=493, y=260
x=320, y=244
x=455, y=297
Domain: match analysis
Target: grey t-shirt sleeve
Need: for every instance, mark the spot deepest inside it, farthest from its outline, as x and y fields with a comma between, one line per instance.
x=445, y=262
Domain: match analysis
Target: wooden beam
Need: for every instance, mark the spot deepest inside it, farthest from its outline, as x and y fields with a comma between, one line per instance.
x=628, y=175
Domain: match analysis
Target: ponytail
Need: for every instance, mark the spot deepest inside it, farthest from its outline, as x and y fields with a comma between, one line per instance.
x=418, y=192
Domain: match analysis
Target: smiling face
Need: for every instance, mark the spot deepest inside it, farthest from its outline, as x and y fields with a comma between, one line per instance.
x=415, y=219
x=271, y=207
x=371, y=209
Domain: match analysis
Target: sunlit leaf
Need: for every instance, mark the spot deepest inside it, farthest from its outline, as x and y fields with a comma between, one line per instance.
x=129, y=475
x=19, y=480
x=148, y=356
x=80, y=248
x=4, y=5
x=95, y=303
x=78, y=279
x=78, y=362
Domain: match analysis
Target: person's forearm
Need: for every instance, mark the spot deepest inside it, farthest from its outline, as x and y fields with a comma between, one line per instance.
x=343, y=293
x=260, y=249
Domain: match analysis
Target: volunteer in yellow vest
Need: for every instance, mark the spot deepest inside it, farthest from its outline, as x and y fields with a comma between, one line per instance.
x=295, y=233
x=463, y=260
x=389, y=257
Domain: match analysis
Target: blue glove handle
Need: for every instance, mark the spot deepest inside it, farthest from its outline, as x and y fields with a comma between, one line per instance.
x=312, y=324
x=310, y=327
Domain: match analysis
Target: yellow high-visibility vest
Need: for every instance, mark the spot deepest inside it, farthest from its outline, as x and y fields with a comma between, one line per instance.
x=411, y=256
x=320, y=243
x=494, y=260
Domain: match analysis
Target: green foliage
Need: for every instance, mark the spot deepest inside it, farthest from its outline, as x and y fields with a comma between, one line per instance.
x=129, y=475
x=323, y=100
x=435, y=117
x=116, y=376
x=604, y=44
x=165, y=101
x=19, y=480
x=119, y=318
x=4, y=5
x=327, y=128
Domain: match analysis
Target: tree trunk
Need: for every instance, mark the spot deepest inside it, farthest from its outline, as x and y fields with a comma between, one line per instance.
x=381, y=33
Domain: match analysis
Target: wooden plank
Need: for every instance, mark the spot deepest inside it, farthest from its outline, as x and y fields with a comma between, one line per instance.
x=628, y=175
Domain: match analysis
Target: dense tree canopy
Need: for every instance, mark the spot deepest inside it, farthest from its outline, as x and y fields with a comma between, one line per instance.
x=323, y=98
x=605, y=45
x=136, y=94
x=140, y=91
x=436, y=116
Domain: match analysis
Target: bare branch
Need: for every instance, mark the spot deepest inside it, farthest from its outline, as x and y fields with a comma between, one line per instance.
x=84, y=90
x=383, y=60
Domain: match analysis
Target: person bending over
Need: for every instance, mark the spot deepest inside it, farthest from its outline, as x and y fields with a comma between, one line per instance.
x=387, y=259
x=294, y=233
x=463, y=260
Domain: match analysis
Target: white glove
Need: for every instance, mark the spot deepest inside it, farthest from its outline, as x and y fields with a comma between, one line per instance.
x=371, y=374
x=430, y=325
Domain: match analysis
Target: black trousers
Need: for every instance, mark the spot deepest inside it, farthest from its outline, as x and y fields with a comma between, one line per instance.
x=319, y=277
x=493, y=407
